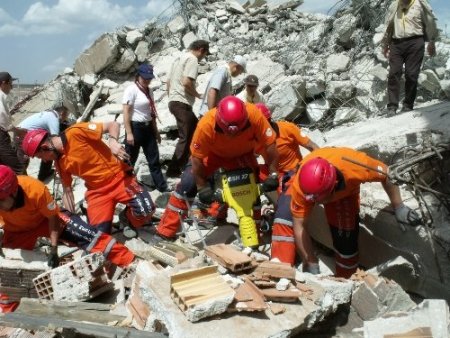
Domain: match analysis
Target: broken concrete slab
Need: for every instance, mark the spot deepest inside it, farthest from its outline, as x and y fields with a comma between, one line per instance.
x=229, y=257
x=432, y=314
x=155, y=292
x=100, y=55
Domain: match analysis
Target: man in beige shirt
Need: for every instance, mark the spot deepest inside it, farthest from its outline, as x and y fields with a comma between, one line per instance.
x=251, y=94
x=181, y=88
x=409, y=23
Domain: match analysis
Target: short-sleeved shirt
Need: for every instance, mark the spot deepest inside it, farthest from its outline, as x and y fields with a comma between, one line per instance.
x=257, y=98
x=5, y=116
x=38, y=205
x=208, y=139
x=134, y=97
x=85, y=155
x=221, y=81
x=408, y=22
x=353, y=176
x=48, y=120
x=185, y=66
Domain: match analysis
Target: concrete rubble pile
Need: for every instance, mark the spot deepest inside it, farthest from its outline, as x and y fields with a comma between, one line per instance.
x=324, y=72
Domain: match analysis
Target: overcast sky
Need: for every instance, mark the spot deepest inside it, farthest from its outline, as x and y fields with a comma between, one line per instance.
x=39, y=39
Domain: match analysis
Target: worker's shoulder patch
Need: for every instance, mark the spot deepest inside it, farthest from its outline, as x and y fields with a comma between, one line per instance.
x=92, y=126
x=269, y=132
x=51, y=205
x=381, y=170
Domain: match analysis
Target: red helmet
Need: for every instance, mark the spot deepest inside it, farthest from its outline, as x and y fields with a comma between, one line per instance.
x=33, y=140
x=317, y=179
x=231, y=115
x=8, y=182
x=263, y=108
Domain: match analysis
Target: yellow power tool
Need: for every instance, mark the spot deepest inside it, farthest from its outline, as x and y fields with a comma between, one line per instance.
x=241, y=192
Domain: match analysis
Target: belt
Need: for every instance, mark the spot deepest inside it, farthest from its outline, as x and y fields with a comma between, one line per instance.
x=143, y=123
x=407, y=39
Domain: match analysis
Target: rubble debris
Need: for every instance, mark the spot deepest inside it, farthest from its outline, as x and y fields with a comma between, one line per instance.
x=79, y=280
x=277, y=308
x=201, y=293
x=248, y=298
x=430, y=315
x=275, y=270
x=230, y=258
x=291, y=295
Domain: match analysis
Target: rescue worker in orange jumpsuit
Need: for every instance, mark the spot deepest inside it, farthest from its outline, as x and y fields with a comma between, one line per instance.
x=80, y=151
x=226, y=137
x=326, y=177
x=289, y=138
x=29, y=211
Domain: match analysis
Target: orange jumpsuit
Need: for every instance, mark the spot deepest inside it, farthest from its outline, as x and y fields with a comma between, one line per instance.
x=108, y=180
x=289, y=138
x=28, y=220
x=342, y=210
x=217, y=150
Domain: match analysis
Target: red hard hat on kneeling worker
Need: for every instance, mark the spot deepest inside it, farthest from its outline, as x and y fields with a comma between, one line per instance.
x=33, y=140
x=317, y=179
x=231, y=115
x=8, y=182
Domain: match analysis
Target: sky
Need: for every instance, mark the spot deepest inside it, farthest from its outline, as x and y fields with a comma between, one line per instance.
x=39, y=39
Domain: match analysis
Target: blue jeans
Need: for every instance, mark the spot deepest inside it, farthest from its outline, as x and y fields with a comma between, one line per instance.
x=145, y=138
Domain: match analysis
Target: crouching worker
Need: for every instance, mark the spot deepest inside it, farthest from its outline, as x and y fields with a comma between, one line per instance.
x=226, y=137
x=80, y=151
x=29, y=211
x=332, y=177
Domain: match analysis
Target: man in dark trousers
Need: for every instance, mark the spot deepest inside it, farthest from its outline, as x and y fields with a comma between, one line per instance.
x=182, y=93
x=409, y=24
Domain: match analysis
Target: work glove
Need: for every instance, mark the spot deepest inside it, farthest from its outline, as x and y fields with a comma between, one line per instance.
x=206, y=195
x=312, y=268
x=405, y=215
x=53, y=259
x=270, y=183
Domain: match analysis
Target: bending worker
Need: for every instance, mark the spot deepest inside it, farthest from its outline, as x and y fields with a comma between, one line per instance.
x=289, y=139
x=226, y=137
x=80, y=151
x=326, y=177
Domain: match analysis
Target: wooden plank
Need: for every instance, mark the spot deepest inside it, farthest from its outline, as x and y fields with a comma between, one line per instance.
x=288, y=296
x=230, y=258
x=77, y=311
x=28, y=322
x=275, y=270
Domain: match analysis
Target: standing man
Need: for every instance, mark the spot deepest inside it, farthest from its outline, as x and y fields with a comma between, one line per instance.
x=80, y=151
x=50, y=120
x=8, y=155
x=409, y=23
x=326, y=177
x=226, y=137
x=181, y=88
x=251, y=94
x=220, y=84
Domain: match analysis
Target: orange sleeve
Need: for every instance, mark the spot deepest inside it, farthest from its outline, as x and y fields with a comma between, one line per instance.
x=265, y=134
x=87, y=130
x=298, y=135
x=300, y=208
x=46, y=204
x=201, y=140
x=372, y=175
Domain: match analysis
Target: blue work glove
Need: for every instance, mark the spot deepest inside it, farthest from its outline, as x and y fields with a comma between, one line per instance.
x=53, y=258
x=271, y=183
x=142, y=204
x=405, y=215
x=206, y=195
